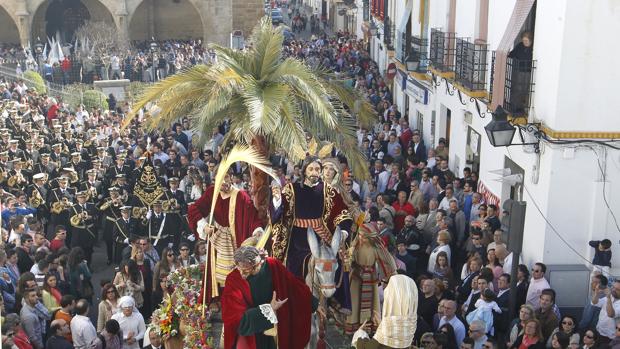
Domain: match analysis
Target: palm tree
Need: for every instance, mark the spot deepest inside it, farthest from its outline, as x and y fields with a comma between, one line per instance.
x=270, y=101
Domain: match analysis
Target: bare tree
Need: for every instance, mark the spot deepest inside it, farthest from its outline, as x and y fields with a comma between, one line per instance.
x=103, y=38
x=98, y=39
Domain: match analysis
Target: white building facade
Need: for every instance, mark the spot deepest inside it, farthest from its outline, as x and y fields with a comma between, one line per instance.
x=450, y=67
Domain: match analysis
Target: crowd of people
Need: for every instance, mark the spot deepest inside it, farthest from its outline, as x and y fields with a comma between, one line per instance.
x=139, y=63
x=67, y=180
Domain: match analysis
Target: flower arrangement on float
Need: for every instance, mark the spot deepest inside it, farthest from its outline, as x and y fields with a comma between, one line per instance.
x=179, y=318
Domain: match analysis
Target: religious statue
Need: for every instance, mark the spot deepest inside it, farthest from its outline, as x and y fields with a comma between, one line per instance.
x=309, y=204
x=226, y=218
x=262, y=302
x=371, y=263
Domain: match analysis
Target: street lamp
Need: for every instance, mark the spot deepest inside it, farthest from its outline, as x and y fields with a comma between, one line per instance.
x=499, y=130
x=38, y=46
x=412, y=63
x=154, y=47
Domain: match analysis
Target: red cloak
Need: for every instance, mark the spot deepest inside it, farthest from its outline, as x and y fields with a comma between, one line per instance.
x=246, y=221
x=293, y=317
x=246, y=215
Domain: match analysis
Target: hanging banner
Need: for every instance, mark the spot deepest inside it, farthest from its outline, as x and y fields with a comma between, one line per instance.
x=148, y=188
x=487, y=195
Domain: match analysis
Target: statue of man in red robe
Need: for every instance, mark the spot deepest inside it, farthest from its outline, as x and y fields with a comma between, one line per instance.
x=263, y=301
x=235, y=221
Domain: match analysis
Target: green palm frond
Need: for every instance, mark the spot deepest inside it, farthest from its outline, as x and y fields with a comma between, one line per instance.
x=264, y=95
x=267, y=48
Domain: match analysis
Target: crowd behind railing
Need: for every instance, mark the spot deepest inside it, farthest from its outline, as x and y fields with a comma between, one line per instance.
x=145, y=61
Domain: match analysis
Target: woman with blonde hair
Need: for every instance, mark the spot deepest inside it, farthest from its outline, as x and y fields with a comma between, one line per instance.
x=399, y=317
x=526, y=313
x=443, y=240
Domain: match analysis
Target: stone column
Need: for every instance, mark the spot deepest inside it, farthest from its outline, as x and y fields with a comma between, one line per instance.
x=221, y=23
x=23, y=22
x=122, y=16
x=150, y=18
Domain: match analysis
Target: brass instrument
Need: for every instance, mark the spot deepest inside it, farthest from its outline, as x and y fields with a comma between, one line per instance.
x=59, y=206
x=139, y=212
x=16, y=179
x=73, y=177
x=92, y=193
x=29, y=164
x=169, y=205
x=77, y=220
x=105, y=205
x=36, y=199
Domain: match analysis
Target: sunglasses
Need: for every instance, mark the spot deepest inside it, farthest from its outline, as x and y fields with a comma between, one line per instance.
x=589, y=336
x=184, y=249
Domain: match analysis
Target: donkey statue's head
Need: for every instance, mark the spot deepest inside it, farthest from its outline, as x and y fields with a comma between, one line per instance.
x=325, y=261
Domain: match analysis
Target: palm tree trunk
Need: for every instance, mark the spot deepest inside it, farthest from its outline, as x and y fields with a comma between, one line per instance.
x=260, y=180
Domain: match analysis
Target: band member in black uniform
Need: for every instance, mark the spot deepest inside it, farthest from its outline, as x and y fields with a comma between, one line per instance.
x=78, y=164
x=162, y=228
x=111, y=210
x=124, y=227
x=46, y=166
x=92, y=186
x=83, y=225
x=37, y=192
x=60, y=200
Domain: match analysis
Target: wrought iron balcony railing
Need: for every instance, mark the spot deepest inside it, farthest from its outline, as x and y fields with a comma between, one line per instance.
x=442, y=50
x=471, y=64
x=519, y=86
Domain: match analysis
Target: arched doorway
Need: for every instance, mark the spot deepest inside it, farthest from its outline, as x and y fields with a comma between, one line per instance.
x=164, y=20
x=65, y=16
x=9, y=33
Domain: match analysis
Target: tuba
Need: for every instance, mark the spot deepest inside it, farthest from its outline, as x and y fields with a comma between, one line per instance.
x=36, y=199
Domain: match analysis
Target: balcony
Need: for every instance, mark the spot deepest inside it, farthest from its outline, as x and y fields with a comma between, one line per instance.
x=519, y=86
x=389, y=31
x=417, y=58
x=443, y=52
x=470, y=69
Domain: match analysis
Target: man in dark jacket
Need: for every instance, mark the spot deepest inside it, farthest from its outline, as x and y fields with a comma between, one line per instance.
x=58, y=330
